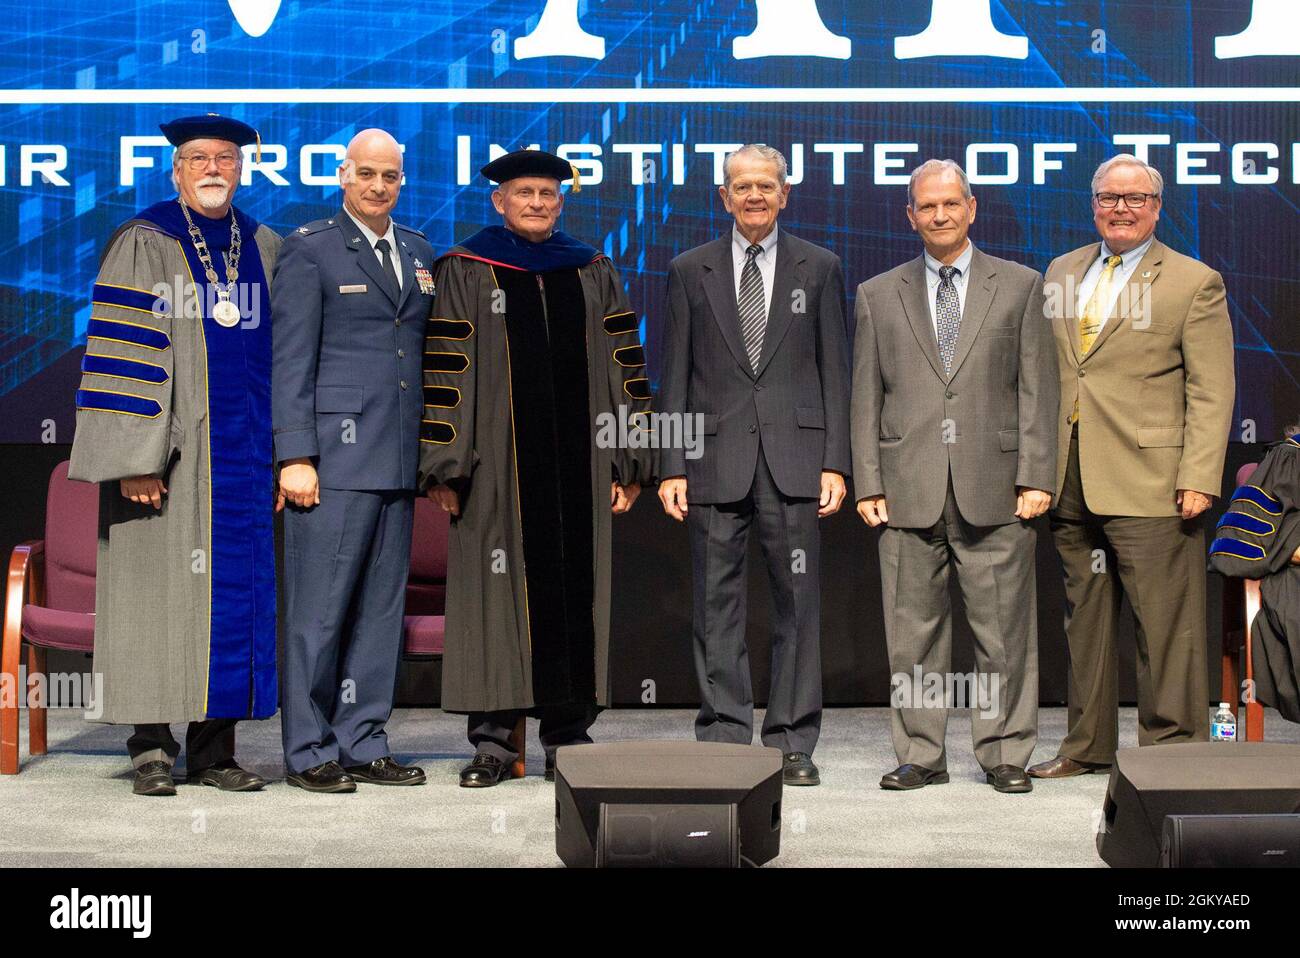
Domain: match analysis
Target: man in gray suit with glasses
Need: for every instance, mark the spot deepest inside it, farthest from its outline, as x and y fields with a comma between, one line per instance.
x=755, y=345
x=954, y=452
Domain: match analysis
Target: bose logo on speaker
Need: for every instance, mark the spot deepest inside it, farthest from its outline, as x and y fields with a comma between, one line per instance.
x=698, y=835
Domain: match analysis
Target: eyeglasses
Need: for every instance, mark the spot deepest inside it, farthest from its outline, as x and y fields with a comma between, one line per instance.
x=1134, y=201
x=198, y=162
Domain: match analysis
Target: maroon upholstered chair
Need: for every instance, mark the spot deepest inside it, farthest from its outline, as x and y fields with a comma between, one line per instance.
x=1240, y=604
x=426, y=586
x=424, y=623
x=49, y=603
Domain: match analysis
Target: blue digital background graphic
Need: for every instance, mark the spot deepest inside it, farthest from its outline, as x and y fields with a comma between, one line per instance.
x=444, y=77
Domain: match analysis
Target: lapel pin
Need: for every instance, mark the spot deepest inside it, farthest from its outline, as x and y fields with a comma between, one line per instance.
x=1147, y=274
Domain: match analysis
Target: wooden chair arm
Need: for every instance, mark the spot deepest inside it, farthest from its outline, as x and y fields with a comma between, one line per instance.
x=26, y=582
x=1254, y=709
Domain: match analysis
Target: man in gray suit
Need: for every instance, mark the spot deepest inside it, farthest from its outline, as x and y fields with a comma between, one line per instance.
x=954, y=439
x=755, y=345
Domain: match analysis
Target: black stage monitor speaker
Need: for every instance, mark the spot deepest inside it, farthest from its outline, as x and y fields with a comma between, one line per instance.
x=1196, y=778
x=665, y=804
x=1231, y=841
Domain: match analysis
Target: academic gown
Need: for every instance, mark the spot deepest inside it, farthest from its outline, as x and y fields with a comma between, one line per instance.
x=184, y=597
x=531, y=351
x=1255, y=539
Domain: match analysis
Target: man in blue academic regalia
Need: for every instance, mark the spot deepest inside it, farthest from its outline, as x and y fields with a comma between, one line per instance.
x=174, y=422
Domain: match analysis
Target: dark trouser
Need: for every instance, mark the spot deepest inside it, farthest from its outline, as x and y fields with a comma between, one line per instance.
x=787, y=532
x=346, y=564
x=206, y=744
x=490, y=732
x=995, y=571
x=1159, y=563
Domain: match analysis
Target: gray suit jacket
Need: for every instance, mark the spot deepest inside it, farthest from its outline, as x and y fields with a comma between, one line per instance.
x=797, y=403
x=991, y=423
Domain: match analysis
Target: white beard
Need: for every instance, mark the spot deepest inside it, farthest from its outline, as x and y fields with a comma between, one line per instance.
x=210, y=198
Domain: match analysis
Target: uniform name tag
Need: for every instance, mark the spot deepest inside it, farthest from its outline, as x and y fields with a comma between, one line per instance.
x=353, y=289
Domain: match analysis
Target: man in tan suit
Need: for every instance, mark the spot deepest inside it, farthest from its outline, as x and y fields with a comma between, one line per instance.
x=1144, y=346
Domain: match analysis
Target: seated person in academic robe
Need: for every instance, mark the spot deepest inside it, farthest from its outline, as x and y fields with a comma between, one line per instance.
x=174, y=422
x=1259, y=538
x=531, y=349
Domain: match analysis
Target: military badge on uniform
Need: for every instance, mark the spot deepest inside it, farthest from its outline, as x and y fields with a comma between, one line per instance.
x=425, y=279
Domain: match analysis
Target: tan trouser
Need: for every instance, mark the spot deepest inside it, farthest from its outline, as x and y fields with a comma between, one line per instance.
x=1159, y=564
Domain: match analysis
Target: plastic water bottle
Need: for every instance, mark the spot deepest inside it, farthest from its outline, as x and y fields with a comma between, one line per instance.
x=1224, y=726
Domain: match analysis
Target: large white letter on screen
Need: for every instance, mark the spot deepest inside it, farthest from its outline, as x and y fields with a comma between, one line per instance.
x=559, y=34
x=790, y=28
x=1274, y=30
x=255, y=16
x=961, y=28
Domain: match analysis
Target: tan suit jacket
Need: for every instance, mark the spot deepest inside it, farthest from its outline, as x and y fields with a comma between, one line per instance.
x=1156, y=389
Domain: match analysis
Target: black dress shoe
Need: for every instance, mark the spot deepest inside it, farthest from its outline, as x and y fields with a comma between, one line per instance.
x=484, y=771
x=549, y=774
x=228, y=777
x=386, y=771
x=797, y=768
x=154, y=778
x=907, y=777
x=328, y=777
x=1009, y=778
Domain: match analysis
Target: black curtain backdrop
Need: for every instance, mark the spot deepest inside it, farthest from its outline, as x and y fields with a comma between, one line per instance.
x=652, y=602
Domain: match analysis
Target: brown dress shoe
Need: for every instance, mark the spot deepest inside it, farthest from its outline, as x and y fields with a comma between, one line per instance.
x=1062, y=767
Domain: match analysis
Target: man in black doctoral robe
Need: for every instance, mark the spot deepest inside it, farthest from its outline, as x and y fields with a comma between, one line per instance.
x=535, y=433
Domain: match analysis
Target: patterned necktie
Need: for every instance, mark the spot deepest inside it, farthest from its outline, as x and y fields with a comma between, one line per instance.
x=947, y=313
x=389, y=270
x=751, y=304
x=1098, y=305
x=1093, y=313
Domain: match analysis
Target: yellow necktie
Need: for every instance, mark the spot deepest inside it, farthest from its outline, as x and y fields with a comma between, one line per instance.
x=1093, y=313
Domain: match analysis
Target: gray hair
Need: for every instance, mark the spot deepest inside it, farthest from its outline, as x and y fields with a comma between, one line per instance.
x=1128, y=159
x=176, y=162
x=763, y=152
x=937, y=166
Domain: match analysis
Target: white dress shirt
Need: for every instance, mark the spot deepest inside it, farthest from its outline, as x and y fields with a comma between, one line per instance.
x=1123, y=272
x=372, y=238
x=766, y=261
x=932, y=281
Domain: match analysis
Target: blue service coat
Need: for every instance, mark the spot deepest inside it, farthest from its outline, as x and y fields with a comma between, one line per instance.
x=347, y=380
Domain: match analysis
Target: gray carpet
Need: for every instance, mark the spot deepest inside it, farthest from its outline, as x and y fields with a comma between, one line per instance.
x=73, y=807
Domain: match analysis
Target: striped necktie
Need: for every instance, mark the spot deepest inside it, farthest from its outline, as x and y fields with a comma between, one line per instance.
x=751, y=304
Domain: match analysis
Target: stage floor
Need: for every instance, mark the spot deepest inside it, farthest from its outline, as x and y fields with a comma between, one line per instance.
x=73, y=807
